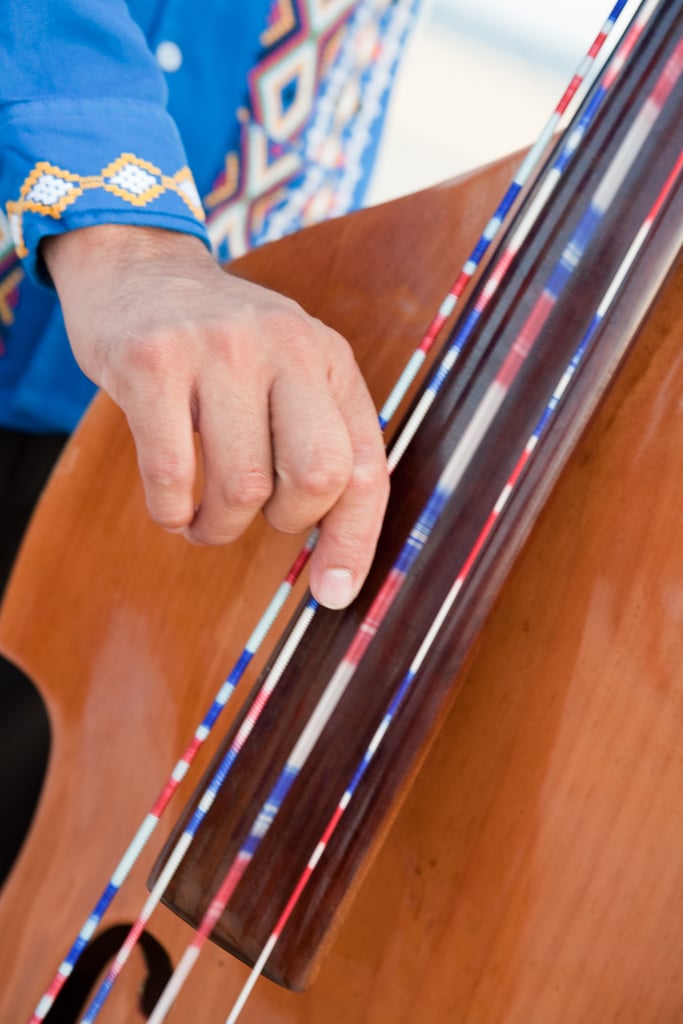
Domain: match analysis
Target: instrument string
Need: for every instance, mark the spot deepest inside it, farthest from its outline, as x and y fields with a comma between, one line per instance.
x=277, y=603
x=494, y=225
x=572, y=255
x=498, y=272
x=505, y=494
x=279, y=667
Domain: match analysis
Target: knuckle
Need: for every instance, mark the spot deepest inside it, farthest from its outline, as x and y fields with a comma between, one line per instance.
x=292, y=322
x=295, y=339
x=164, y=471
x=350, y=539
x=371, y=475
x=168, y=490
x=343, y=352
x=147, y=353
x=229, y=345
x=344, y=370
x=298, y=334
x=324, y=475
x=248, y=490
x=369, y=486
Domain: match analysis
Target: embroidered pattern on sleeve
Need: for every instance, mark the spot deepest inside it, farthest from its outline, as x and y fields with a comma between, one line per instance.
x=49, y=190
x=11, y=274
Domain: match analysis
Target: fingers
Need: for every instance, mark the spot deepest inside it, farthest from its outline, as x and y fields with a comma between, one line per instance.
x=349, y=531
x=312, y=449
x=284, y=419
x=236, y=448
x=300, y=440
x=161, y=424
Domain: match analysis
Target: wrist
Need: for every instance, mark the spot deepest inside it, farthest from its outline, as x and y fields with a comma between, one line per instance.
x=106, y=248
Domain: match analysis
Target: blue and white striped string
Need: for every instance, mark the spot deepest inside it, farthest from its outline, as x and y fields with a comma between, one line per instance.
x=405, y=685
x=273, y=610
x=458, y=462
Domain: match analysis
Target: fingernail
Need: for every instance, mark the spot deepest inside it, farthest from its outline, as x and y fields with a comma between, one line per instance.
x=336, y=588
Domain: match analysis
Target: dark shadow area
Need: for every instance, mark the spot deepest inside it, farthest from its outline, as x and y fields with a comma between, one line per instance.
x=74, y=998
x=24, y=751
x=26, y=461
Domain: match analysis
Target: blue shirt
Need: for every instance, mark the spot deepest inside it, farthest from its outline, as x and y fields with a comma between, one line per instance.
x=105, y=105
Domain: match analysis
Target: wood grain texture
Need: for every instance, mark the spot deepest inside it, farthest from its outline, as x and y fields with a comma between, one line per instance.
x=282, y=854
x=534, y=873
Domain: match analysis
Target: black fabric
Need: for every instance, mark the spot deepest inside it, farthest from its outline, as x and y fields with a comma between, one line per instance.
x=26, y=461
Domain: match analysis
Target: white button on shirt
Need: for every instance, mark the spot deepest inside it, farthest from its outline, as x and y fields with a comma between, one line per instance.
x=169, y=56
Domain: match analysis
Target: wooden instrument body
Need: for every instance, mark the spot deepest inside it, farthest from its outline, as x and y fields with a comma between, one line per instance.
x=504, y=327
x=534, y=872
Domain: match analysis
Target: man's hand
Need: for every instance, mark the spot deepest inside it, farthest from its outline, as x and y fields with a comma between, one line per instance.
x=284, y=418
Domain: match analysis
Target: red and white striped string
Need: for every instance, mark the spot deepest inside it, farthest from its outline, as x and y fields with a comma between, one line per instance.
x=274, y=608
x=561, y=388
x=460, y=459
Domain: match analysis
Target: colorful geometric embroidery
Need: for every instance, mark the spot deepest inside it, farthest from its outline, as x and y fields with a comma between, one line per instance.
x=11, y=274
x=281, y=21
x=9, y=296
x=49, y=190
x=351, y=100
x=313, y=100
x=135, y=181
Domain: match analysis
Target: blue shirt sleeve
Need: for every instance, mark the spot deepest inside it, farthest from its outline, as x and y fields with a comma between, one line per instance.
x=86, y=138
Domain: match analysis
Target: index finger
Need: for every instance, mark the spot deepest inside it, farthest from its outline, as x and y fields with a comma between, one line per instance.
x=350, y=530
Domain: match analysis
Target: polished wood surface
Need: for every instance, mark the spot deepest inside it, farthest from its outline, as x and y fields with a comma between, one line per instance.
x=534, y=872
x=283, y=853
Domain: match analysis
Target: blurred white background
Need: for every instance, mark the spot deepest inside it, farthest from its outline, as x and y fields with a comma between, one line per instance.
x=479, y=79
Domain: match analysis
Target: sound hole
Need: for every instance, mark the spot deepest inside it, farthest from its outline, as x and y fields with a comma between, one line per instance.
x=80, y=988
